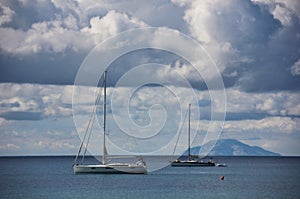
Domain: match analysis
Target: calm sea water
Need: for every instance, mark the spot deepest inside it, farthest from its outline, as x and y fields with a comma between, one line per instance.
x=245, y=177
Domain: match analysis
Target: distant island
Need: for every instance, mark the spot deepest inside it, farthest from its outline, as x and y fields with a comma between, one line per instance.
x=232, y=147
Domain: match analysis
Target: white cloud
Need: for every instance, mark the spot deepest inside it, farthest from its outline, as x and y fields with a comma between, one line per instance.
x=49, y=100
x=237, y=33
x=111, y=24
x=19, y=104
x=6, y=14
x=61, y=34
x=55, y=100
x=283, y=15
x=295, y=69
x=280, y=103
x=232, y=32
x=67, y=6
x=212, y=23
x=269, y=126
x=82, y=9
x=283, y=10
x=56, y=133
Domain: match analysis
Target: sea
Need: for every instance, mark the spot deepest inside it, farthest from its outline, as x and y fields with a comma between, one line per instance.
x=244, y=177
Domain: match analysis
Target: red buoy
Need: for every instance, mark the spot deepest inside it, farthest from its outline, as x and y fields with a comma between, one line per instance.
x=222, y=178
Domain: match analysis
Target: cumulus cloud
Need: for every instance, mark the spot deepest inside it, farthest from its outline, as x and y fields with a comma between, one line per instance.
x=56, y=101
x=270, y=126
x=81, y=10
x=280, y=114
x=111, y=24
x=33, y=101
x=237, y=34
x=6, y=14
x=283, y=10
x=216, y=27
x=60, y=35
x=295, y=69
x=276, y=104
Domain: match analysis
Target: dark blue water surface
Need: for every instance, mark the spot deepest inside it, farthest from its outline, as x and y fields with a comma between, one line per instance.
x=245, y=177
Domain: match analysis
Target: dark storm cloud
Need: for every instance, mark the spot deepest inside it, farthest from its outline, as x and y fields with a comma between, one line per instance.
x=270, y=69
x=270, y=47
x=262, y=45
x=42, y=68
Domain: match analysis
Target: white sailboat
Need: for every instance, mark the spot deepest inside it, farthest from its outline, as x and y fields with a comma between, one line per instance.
x=105, y=168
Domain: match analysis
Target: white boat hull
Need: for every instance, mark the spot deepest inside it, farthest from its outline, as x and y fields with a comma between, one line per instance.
x=111, y=169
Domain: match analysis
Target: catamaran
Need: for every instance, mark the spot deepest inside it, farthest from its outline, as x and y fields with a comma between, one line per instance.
x=190, y=162
x=106, y=167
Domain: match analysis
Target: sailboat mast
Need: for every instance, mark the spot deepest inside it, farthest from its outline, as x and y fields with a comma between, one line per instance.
x=104, y=119
x=189, y=132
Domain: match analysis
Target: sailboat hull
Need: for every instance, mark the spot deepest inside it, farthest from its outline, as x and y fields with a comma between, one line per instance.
x=110, y=169
x=137, y=168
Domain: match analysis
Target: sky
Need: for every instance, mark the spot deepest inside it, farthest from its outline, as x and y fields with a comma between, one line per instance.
x=176, y=51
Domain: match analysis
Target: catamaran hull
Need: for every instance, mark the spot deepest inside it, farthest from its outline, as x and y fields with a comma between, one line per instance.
x=110, y=169
x=192, y=164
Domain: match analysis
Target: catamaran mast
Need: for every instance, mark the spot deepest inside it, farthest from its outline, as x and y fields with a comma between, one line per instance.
x=104, y=120
x=189, y=131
